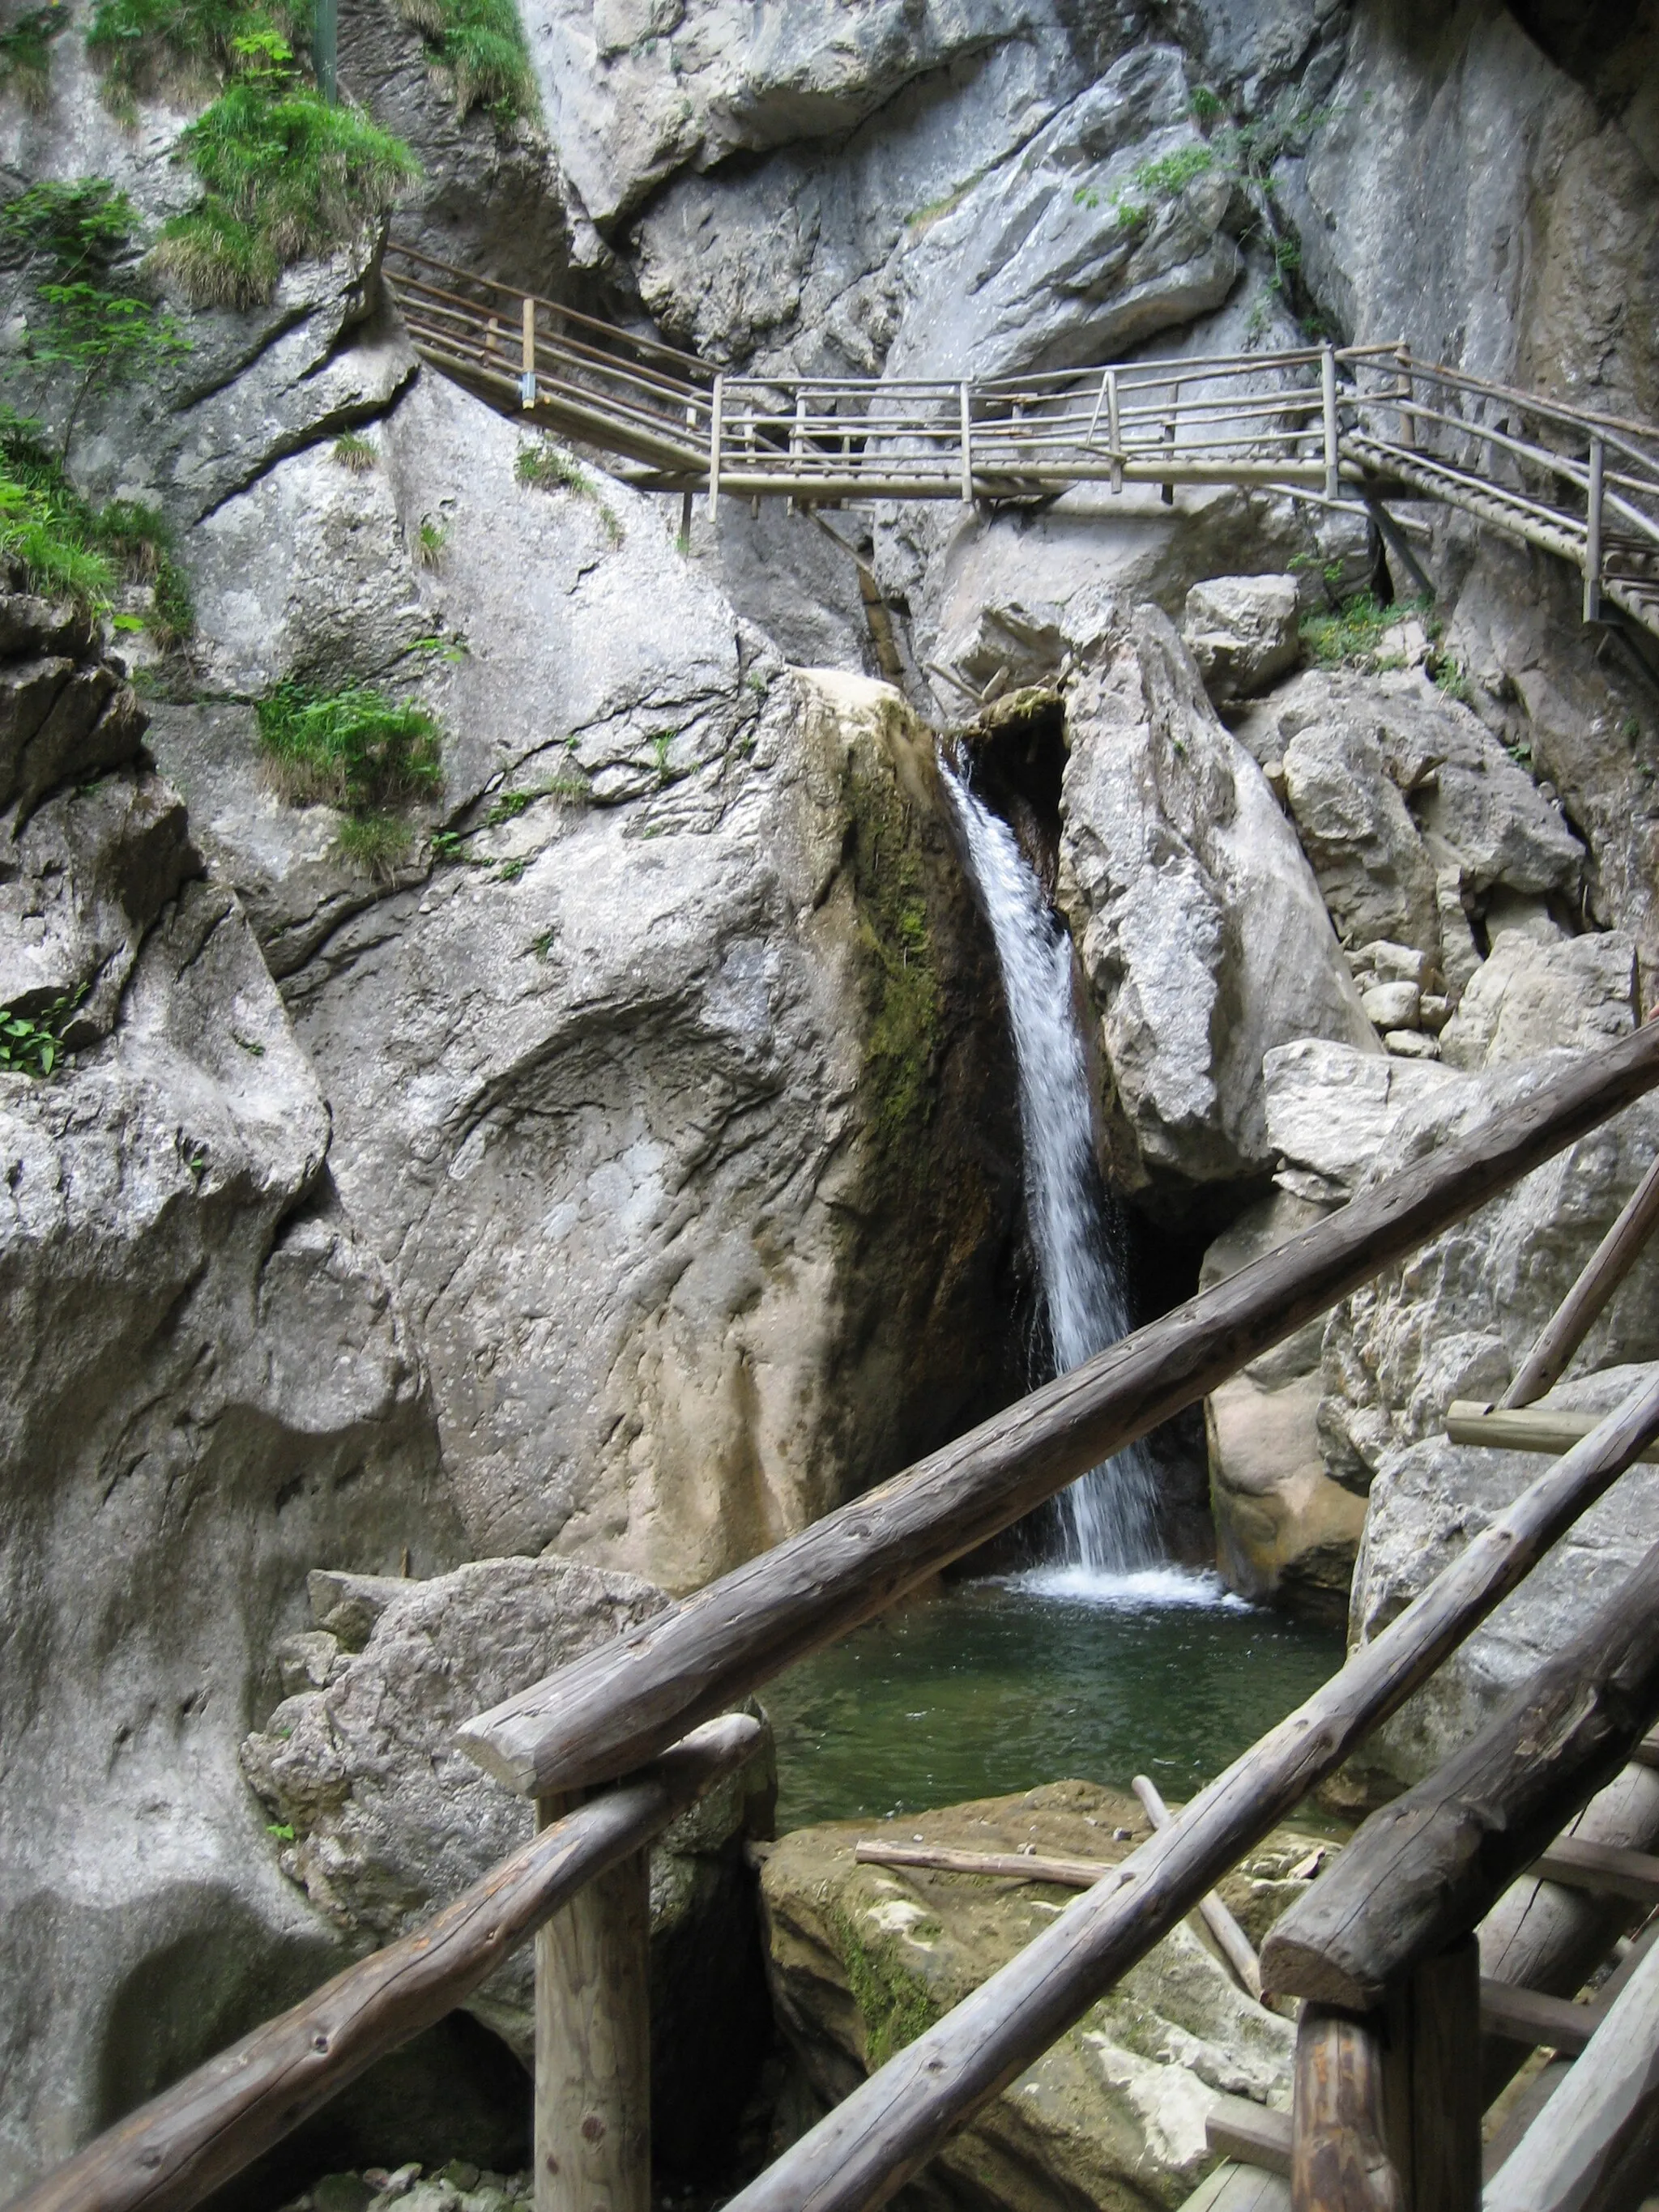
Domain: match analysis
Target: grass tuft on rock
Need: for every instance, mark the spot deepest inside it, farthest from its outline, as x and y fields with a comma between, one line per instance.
x=26, y=54
x=480, y=46
x=149, y=46
x=65, y=547
x=354, y=749
x=377, y=843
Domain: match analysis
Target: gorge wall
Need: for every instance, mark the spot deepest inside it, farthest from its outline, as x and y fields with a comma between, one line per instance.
x=618, y=1165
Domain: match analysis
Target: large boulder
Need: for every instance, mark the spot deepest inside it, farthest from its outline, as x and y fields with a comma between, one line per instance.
x=674, y=1095
x=863, y=1958
x=1204, y=940
x=1531, y=995
x=388, y=1821
x=1242, y=632
x=1284, y=1530
x=211, y=1385
x=1414, y=817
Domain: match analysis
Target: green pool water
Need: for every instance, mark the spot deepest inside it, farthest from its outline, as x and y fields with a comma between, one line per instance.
x=994, y=1687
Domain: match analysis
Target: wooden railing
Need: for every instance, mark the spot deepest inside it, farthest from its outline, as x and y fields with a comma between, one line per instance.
x=602, y=1722
x=1332, y=423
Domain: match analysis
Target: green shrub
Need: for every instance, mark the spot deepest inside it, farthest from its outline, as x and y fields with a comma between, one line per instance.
x=354, y=749
x=84, y=315
x=25, y=54
x=480, y=45
x=286, y=175
x=28, y=1047
x=377, y=843
x=1350, y=636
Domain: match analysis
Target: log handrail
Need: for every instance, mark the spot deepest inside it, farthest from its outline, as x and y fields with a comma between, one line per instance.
x=1608, y=1267
x=887, y=2129
x=609, y=1712
x=181, y=2146
x=1425, y=1869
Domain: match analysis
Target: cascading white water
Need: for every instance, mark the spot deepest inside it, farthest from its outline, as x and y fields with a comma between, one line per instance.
x=1107, y=1518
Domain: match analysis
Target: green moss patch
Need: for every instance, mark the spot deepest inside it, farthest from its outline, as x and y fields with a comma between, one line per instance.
x=893, y=2005
x=906, y=1005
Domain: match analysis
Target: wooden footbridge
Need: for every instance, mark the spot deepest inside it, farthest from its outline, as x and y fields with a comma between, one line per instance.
x=1409, y=2023
x=1366, y=423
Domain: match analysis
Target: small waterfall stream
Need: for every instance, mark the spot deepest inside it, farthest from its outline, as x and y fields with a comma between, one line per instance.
x=1108, y=1519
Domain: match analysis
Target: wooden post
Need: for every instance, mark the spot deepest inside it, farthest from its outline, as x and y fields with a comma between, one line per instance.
x=716, y=408
x=1166, y=491
x=527, y=378
x=1328, y=389
x=1407, y=419
x=593, y=2043
x=1431, y=2082
x=1339, y=2158
x=1114, y=429
x=966, y=446
x=1593, y=533
x=1608, y=1265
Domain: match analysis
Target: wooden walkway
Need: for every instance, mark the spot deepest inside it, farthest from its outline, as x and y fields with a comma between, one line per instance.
x=1368, y=423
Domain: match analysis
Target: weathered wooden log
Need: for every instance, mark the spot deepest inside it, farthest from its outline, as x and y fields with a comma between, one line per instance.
x=1431, y=2080
x=1594, y=2147
x=1542, y=2022
x=1608, y=1265
x=887, y=2129
x=593, y=2047
x=609, y=1712
x=1011, y=1866
x=175, y=2150
x=1544, y=1936
x=1254, y=2134
x=1236, y=1946
x=1520, y=1428
x=1428, y=1866
x=1603, y=1868
x=1339, y=2158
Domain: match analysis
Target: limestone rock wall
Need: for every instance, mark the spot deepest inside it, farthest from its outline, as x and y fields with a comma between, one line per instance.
x=210, y=1385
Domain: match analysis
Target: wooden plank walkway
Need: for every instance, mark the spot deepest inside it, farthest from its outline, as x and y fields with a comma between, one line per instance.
x=1339, y=424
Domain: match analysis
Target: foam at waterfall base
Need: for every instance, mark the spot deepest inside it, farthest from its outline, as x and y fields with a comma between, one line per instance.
x=1132, y=1589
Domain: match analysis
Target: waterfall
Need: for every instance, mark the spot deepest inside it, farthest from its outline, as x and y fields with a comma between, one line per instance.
x=1108, y=1519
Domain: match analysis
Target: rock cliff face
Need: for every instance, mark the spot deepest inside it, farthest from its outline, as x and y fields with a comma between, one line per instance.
x=210, y=1385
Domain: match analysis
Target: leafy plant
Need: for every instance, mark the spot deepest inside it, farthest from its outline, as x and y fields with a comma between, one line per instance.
x=25, y=54
x=480, y=46
x=354, y=452
x=1351, y=635
x=355, y=749
x=83, y=313
x=1172, y=173
x=28, y=1047
x=430, y=540
x=285, y=175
